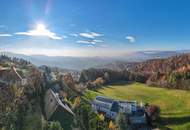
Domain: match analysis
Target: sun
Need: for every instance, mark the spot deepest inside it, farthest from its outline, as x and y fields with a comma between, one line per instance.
x=40, y=27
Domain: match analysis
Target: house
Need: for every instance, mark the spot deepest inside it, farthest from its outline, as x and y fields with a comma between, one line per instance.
x=10, y=75
x=23, y=81
x=56, y=110
x=111, y=107
x=2, y=75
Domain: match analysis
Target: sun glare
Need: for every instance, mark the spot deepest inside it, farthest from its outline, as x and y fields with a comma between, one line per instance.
x=40, y=27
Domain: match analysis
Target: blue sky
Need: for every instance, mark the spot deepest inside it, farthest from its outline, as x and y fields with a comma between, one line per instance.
x=93, y=27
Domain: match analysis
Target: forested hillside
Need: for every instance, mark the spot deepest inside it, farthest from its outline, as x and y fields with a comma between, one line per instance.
x=20, y=95
x=23, y=88
x=173, y=72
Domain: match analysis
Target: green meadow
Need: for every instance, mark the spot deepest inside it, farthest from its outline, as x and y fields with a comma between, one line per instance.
x=174, y=104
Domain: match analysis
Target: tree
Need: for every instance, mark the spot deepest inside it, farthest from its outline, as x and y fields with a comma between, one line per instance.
x=86, y=119
x=152, y=112
x=101, y=123
x=112, y=126
x=9, y=121
x=82, y=115
x=121, y=121
x=76, y=102
x=107, y=77
x=99, y=81
x=101, y=117
x=55, y=126
x=69, y=81
x=82, y=77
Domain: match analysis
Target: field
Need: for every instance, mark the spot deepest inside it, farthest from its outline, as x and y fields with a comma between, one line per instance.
x=174, y=104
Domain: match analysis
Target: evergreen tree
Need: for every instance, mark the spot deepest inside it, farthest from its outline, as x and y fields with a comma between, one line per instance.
x=121, y=121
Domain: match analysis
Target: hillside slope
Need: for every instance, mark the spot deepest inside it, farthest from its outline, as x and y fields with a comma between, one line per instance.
x=20, y=95
x=172, y=72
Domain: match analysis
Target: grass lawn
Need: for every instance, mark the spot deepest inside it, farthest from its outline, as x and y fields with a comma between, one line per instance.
x=174, y=104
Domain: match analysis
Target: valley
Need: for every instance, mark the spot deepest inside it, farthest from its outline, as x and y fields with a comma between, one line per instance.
x=94, y=65
x=145, y=82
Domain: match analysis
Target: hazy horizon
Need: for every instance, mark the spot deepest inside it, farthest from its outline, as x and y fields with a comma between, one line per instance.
x=121, y=54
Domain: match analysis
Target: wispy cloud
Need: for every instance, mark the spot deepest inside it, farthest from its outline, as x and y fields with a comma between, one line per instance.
x=5, y=35
x=97, y=41
x=92, y=42
x=131, y=39
x=91, y=35
x=40, y=30
x=85, y=42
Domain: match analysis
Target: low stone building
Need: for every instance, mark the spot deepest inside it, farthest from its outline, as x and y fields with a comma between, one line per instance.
x=56, y=110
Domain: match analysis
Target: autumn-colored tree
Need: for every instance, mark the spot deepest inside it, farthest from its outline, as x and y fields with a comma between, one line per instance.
x=99, y=81
x=153, y=113
x=62, y=94
x=69, y=80
x=76, y=102
x=101, y=117
x=112, y=126
x=17, y=90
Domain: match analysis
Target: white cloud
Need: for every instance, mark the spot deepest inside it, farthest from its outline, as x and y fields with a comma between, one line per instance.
x=5, y=35
x=91, y=35
x=40, y=30
x=131, y=39
x=98, y=41
x=86, y=42
x=74, y=35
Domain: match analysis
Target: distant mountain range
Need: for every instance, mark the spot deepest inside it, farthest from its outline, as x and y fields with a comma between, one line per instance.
x=79, y=63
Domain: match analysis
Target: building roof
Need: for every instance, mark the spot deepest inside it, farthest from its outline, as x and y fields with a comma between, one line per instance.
x=109, y=100
x=61, y=103
x=104, y=99
x=115, y=106
x=17, y=74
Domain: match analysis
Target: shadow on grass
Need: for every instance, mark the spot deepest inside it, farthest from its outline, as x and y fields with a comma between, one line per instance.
x=120, y=83
x=176, y=114
x=110, y=86
x=174, y=120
